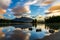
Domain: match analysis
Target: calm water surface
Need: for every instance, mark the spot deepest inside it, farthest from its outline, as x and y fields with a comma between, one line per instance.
x=37, y=31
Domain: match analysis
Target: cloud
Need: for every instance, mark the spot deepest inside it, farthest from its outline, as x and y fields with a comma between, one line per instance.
x=20, y=9
x=9, y=16
x=47, y=12
x=30, y=2
x=1, y=17
x=9, y=9
x=2, y=11
x=54, y=13
x=4, y=3
x=6, y=15
x=53, y=8
x=23, y=9
x=56, y=2
x=43, y=2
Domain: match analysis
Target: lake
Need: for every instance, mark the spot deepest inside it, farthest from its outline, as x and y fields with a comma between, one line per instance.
x=36, y=31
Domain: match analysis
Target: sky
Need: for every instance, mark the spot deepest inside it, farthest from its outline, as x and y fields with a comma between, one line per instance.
x=17, y=8
x=34, y=9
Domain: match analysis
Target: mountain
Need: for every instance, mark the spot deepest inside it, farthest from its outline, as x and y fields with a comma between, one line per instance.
x=23, y=19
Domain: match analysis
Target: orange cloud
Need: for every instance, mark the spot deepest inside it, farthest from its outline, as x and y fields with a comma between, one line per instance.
x=2, y=11
x=53, y=8
x=47, y=2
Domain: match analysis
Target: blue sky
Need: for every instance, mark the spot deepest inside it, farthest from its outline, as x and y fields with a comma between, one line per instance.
x=34, y=9
x=34, y=6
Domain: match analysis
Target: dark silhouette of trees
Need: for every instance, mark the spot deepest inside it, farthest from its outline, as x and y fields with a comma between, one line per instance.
x=53, y=19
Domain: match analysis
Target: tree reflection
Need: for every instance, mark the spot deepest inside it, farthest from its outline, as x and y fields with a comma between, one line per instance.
x=54, y=26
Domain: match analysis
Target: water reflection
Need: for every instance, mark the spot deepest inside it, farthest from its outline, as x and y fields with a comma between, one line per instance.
x=36, y=31
x=54, y=26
